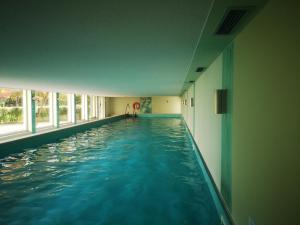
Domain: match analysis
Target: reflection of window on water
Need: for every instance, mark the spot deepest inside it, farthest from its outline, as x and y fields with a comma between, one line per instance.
x=11, y=111
x=42, y=109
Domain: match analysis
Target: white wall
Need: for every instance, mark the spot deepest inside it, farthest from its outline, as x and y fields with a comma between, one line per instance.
x=108, y=107
x=187, y=110
x=117, y=105
x=166, y=105
x=203, y=120
x=184, y=106
x=207, y=123
x=190, y=109
x=160, y=105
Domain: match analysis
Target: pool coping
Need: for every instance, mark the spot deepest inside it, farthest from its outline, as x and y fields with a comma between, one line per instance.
x=222, y=209
x=154, y=115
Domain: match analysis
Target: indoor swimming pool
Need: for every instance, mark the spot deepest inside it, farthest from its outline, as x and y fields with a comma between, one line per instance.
x=139, y=171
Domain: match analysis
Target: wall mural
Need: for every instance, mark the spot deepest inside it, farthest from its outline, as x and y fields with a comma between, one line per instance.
x=146, y=104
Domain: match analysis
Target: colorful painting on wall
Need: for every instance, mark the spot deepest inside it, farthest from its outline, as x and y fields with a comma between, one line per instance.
x=146, y=104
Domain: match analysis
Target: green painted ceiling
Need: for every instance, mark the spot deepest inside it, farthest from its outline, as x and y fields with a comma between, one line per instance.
x=112, y=48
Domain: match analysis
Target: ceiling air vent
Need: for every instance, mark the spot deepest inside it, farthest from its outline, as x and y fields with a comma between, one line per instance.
x=200, y=69
x=231, y=20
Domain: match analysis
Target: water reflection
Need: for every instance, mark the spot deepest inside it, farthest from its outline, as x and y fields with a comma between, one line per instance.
x=138, y=170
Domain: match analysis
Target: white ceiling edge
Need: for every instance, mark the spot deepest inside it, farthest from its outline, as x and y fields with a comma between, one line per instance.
x=67, y=90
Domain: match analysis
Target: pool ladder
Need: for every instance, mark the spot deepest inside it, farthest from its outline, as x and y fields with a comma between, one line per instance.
x=127, y=107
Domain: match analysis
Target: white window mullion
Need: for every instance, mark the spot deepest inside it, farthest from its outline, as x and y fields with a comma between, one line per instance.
x=84, y=108
x=94, y=106
x=98, y=107
x=71, y=108
x=30, y=111
x=24, y=110
x=103, y=108
x=54, y=108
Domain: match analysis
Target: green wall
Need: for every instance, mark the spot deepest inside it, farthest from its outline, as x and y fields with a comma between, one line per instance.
x=266, y=118
x=226, y=139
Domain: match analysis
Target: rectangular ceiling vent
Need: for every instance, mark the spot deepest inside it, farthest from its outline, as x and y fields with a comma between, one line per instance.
x=200, y=69
x=231, y=19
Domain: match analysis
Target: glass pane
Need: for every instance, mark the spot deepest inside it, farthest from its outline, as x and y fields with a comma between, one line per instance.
x=93, y=113
x=11, y=111
x=78, y=102
x=42, y=109
x=100, y=108
x=89, y=106
x=63, y=108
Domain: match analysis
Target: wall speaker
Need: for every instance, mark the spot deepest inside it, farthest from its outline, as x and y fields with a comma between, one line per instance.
x=221, y=101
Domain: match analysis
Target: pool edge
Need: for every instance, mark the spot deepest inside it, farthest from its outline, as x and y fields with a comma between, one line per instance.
x=153, y=115
x=22, y=143
x=218, y=200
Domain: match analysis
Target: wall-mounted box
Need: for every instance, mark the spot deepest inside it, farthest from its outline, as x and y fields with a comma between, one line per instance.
x=192, y=102
x=221, y=101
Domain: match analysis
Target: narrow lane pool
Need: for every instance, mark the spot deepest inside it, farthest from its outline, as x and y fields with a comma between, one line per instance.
x=131, y=172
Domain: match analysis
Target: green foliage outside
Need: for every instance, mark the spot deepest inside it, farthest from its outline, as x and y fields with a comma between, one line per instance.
x=63, y=107
x=78, y=113
x=10, y=115
x=10, y=106
x=42, y=106
x=78, y=107
x=63, y=113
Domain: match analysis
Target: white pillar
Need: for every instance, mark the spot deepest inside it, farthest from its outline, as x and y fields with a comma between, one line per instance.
x=24, y=110
x=98, y=107
x=84, y=107
x=54, y=108
x=71, y=108
x=103, y=107
x=105, y=101
x=95, y=107
x=29, y=106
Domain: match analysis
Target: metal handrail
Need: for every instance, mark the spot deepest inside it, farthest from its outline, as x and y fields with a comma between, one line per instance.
x=127, y=107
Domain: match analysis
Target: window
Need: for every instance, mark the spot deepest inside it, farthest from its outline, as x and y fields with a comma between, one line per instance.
x=100, y=107
x=28, y=110
x=92, y=107
x=42, y=109
x=64, y=108
x=88, y=105
x=11, y=111
x=78, y=103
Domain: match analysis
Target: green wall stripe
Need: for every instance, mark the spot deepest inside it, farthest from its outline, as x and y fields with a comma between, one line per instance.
x=194, y=107
x=227, y=83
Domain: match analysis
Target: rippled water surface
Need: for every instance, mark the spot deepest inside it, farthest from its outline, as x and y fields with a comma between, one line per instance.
x=130, y=172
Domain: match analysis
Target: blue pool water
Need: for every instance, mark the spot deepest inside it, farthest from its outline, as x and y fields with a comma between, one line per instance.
x=131, y=172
